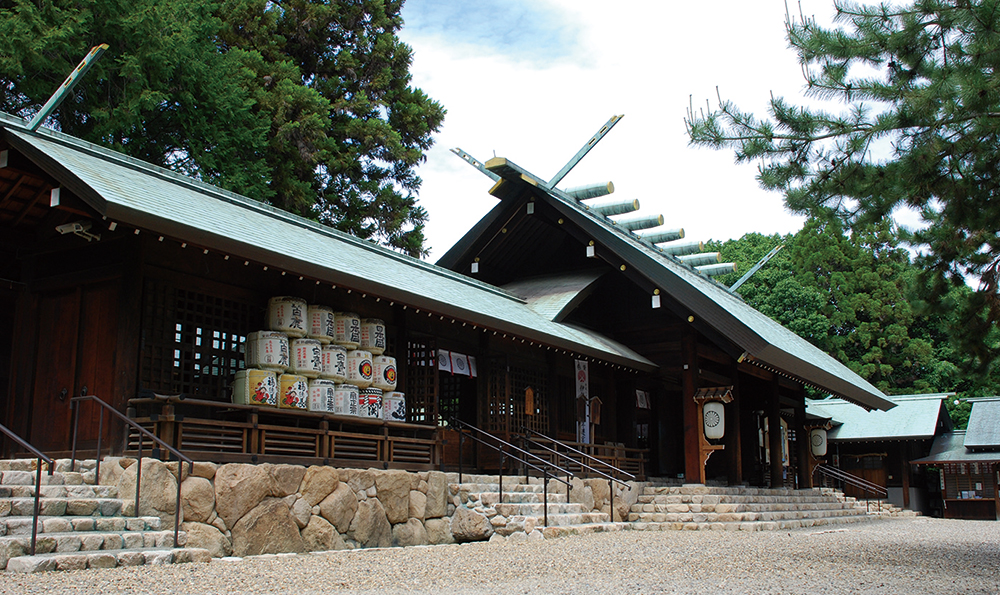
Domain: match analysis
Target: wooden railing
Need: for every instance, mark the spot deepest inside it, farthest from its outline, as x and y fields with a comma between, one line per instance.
x=229, y=433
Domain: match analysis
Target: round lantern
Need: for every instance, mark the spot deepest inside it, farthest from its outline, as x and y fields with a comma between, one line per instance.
x=817, y=440
x=715, y=420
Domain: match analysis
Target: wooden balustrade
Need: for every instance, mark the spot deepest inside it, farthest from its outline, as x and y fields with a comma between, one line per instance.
x=233, y=433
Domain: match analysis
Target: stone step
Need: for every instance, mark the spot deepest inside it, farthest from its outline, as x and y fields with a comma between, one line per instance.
x=109, y=559
x=572, y=519
x=491, y=498
x=557, y=531
x=738, y=517
x=728, y=499
x=698, y=489
x=469, y=478
x=493, y=487
x=748, y=507
x=750, y=525
x=62, y=465
x=21, y=525
x=77, y=541
x=59, y=491
x=62, y=507
x=536, y=510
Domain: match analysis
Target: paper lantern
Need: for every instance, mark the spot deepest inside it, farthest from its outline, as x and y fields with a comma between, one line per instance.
x=715, y=420
x=817, y=440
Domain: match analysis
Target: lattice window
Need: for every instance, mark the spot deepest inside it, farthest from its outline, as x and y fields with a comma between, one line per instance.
x=450, y=397
x=421, y=382
x=192, y=342
x=505, y=412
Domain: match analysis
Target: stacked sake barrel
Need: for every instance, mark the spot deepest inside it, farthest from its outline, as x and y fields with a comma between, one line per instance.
x=314, y=358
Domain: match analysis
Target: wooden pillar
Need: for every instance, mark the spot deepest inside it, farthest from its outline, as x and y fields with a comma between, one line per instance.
x=734, y=431
x=774, y=433
x=694, y=469
x=907, y=451
x=802, y=448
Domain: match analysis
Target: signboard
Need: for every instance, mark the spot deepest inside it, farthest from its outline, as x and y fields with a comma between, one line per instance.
x=583, y=393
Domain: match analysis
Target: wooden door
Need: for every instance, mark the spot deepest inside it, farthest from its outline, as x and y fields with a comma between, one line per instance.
x=870, y=469
x=75, y=347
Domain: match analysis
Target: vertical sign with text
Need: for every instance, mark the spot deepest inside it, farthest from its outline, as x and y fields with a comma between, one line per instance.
x=583, y=398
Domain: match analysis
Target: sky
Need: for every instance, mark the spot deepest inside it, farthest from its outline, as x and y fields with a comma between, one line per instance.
x=533, y=80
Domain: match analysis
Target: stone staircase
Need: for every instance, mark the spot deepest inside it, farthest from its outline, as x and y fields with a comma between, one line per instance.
x=872, y=507
x=81, y=524
x=520, y=515
x=698, y=507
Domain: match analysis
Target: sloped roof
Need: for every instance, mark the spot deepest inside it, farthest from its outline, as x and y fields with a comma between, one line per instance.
x=983, y=430
x=914, y=417
x=136, y=193
x=765, y=342
x=554, y=296
x=950, y=448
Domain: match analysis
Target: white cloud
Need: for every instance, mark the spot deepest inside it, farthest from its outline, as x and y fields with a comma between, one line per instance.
x=521, y=95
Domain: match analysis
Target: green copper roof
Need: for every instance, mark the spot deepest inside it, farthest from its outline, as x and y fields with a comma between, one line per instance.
x=135, y=193
x=764, y=342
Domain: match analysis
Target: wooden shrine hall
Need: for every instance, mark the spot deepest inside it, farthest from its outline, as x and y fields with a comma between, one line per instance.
x=554, y=313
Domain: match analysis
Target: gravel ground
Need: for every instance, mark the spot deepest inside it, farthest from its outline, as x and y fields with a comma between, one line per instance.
x=892, y=556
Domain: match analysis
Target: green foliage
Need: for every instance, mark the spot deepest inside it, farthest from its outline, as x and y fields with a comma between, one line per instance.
x=852, y=295
x=305, y=104
x=921, y=131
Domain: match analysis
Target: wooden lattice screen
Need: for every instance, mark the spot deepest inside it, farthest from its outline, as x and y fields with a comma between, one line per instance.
x=192, y=341
x=964, y=477
x=505, y=404
x=421, y=382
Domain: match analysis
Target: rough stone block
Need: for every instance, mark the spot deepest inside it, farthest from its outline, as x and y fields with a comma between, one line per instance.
x=31, y=564
x=71, y=562
x=131, y=558
x=101, y=560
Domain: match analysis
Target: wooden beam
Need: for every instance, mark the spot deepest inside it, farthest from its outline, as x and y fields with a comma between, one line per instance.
x=710, y=352
x=714, y=379
x=29, y=206
x=10, y=193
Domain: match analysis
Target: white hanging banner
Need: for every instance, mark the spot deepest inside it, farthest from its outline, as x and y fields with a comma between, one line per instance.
x=472, y=367
x=444, y=360
x=583, y=394
x=459, y=364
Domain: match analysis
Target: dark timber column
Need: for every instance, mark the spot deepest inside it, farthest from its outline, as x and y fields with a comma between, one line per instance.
x=774, y=432
x=734, y=431
x=908, y=453
x=694, y=470
x=802, y=443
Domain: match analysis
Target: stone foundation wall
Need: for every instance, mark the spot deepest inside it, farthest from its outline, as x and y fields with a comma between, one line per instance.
x=243, y=510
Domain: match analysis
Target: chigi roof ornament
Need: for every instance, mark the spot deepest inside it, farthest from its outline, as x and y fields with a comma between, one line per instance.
x=665, y=240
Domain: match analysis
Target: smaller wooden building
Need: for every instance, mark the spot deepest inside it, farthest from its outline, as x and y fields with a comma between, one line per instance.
x=878, y=446
x=964, y=465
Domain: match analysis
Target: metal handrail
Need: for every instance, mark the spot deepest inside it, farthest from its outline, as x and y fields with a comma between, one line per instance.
x=613, y=469
x=503, y=459
x=611, y=480
x=181, y=458
x=855, y=481
x=459, y=423
x=38, y=478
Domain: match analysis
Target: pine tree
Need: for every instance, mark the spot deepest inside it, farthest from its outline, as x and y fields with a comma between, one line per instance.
x=304, y=104
x=921, y=132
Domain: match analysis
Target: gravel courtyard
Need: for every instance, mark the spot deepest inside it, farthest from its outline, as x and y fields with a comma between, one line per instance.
x=892, y=556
